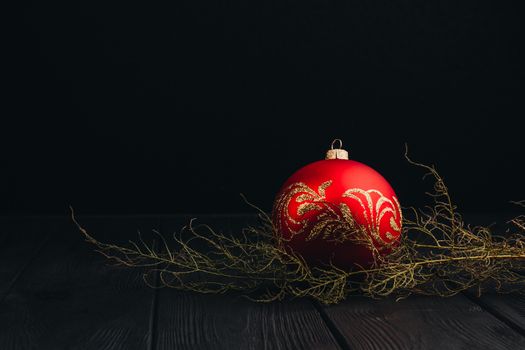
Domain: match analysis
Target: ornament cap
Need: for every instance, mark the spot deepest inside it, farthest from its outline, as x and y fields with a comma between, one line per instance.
x=338, y=152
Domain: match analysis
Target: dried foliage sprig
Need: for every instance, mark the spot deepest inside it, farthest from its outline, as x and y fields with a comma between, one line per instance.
x=438, y=255
x=441, y=255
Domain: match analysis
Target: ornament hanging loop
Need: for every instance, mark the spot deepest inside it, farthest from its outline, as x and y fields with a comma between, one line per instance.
x=336, y=153
x=340, y=144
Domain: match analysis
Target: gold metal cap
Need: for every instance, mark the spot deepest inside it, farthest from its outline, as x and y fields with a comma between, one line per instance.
x=336, y=153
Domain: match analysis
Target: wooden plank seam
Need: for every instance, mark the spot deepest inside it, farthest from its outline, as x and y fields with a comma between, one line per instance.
x=338, y=336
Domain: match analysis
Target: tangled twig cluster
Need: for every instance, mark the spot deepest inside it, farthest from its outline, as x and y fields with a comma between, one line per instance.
x=438, y=255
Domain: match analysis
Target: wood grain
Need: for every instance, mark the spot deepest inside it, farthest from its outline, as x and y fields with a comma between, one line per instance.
x=70, y=298
x=195, y=321
x=510, y=309
x=21, y=241
x=420, y=323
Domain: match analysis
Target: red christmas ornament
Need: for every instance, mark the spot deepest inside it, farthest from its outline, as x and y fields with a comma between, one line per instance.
x=321, y=204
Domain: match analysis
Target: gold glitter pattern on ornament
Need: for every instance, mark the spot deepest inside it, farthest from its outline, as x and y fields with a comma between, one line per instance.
x=335, y=221
x=374, y=216
x=398, y=209
x=316, y=201
x=306, y=207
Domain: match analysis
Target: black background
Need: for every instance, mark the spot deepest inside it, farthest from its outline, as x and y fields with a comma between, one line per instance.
x=177, y=108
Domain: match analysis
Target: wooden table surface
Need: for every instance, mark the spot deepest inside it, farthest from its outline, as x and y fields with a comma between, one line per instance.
x=57, y=293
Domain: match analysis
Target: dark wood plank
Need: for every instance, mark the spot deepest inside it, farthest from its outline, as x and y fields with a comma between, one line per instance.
x=195, y=321
x=21, y=241
x=71, y=298
x=510, y=309
x=420, y=323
